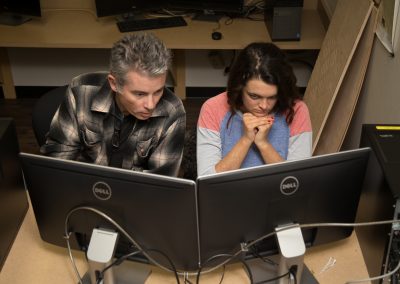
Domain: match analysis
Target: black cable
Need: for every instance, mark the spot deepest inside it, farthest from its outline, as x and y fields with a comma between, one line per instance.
x=187, y=281
x=229, y=256
x=254, y=252
x=248, y=271
x=173, y=268
x=223, y=274
x=275, y=278
x=293, y=272
x=118, y=261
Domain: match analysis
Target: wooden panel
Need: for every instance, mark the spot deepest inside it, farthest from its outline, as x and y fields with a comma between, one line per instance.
x=339, y=118
x=339, y=45
x=179, y=73
x=6, y=79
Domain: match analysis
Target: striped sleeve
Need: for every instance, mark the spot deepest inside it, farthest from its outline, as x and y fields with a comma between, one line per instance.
x=300, y=141
x=208, y=143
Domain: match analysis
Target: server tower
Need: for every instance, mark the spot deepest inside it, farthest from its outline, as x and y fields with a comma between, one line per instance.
x=283, y=19
x=380, y=200
x=13, y=196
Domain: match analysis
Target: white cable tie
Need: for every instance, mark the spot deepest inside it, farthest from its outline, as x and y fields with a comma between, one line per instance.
x=331, y=262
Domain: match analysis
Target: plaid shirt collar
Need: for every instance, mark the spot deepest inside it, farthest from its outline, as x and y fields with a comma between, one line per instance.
x=103, y=101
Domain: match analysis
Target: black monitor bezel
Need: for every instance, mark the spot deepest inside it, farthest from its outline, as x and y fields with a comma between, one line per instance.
x=26, y=8
x=176, y=203
x=225, y=237
x=105, y=8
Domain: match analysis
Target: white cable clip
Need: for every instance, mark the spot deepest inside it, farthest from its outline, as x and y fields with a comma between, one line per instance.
x=331, y=262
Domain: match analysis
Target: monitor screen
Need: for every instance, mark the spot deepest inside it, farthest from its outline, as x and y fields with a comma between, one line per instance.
x=158, y=212
x=17, y=12
x=22, y=7
x=244, y=205
x=223, y=6
x=110, y=8
x=13, y=197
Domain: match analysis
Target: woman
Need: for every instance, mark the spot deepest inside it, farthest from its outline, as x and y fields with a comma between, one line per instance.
x=260, y=119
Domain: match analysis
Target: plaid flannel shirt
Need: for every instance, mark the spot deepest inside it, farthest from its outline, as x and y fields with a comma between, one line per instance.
x=83, y=127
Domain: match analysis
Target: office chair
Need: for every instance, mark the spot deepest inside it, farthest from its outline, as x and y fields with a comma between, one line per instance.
x=43, y=112
x=189, y=161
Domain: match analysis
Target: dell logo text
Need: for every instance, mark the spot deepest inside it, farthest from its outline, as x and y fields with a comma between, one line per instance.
x=289, y=185
x=102, y=190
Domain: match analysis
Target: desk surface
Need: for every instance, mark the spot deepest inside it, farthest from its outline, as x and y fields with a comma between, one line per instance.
x=81, y=29
x=33, y=261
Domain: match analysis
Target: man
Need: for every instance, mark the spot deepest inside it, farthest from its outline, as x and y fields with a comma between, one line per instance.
x=125, y=117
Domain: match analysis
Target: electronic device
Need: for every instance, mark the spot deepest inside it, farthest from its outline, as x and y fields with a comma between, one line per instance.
x=226, y=6
x=17, y=12
x=283, y=19
x=119, y=7
x=241, y=206
x=13, y=197
x=133, y=24
x=192, y=222
x=209, y=9
x=380, y=200
x=216, y=35
x=158, y=212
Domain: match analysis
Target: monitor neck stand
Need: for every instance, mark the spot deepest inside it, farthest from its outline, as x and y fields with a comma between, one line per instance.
x=291, y=257
x=100, y=255
x=11, y=19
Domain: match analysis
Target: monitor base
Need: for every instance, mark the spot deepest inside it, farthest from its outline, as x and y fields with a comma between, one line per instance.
x=262, y=272
x=128, y=272
x=11, y=19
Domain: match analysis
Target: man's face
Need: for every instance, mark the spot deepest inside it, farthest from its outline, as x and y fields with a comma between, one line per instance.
x=140, y=94
x=259, y=98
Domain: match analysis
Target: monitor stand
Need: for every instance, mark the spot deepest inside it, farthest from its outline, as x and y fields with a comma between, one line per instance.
x=262, y=272
x=292, y=249
x=11, y=19
x=129, y=272
x=100, y=255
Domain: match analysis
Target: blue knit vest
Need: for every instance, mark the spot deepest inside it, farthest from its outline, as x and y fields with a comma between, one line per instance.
x=278, y=136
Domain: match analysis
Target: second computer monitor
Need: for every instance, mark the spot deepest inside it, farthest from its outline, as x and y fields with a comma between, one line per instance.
x=242, y=206
x=158, y=212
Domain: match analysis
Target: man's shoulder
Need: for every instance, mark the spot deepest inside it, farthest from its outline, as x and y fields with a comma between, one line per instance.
x=90, y=79
x=171, y=103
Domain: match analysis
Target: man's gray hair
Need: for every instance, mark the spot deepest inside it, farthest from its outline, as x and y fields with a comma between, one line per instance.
x=141, y=52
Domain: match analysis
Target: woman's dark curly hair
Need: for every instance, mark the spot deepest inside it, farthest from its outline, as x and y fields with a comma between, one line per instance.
x=264, y=61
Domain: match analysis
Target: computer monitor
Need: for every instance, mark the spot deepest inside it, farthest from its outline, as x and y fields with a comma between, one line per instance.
x=13, y=197
x=205, y=9
x=106, y=8
x=224, y=6
x=16, y=12
x=158, y=212
x=241, y=206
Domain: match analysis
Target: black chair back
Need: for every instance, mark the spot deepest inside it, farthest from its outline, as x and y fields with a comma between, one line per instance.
x=43, y=112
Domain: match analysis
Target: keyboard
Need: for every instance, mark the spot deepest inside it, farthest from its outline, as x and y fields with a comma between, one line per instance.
x=130, y=25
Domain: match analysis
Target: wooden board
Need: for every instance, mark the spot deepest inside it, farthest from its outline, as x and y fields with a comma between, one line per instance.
x=338, y=121
x=6, y=79
x=338, y=47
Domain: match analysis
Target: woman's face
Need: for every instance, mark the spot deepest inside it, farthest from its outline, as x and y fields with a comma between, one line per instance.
x=259, y=98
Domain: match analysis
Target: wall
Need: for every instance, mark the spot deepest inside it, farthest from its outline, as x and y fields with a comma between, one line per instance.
x=379, y=100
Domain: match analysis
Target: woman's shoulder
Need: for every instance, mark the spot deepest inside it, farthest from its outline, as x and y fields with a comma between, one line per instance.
x=301, y=120
x=300, y=106
x=220, y=100
x=213, y=111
